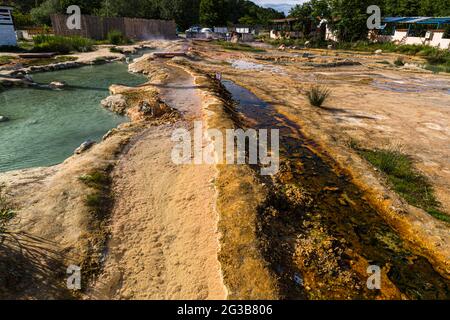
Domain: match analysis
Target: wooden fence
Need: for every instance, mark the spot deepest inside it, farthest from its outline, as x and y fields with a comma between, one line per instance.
x=98, y=27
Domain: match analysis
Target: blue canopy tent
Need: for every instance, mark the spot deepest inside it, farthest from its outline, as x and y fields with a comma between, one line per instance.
x=438, y=22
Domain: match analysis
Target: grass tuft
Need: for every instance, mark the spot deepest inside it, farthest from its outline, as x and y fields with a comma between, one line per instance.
x=96, y=180
x=99, y=200
x=238, y=46
x=6, y=212
x=399, y=62
x=403, y=177
x=317, y=95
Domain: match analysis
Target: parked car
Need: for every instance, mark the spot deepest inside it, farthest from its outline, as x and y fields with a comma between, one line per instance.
x=194, y=29
x=206, y=30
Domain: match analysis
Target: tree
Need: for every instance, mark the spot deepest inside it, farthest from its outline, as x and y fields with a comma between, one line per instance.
x=247, y=20
x=130, y=8
x=212, y=12
x=434, y=8
x=349, y=20
x=41, y=14
x=184, y=12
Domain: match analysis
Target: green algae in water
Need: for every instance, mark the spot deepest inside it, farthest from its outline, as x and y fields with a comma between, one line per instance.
x=46, y=126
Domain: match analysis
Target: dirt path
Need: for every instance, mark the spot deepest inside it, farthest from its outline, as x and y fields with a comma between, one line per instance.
x=164, y=239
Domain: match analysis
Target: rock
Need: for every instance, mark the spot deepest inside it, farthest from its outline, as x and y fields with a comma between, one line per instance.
x=57, y=84
x=84, y=146
x=330, y=46
x=116, y=103
x=379, y=51
x=3, y=119
x=109, y=134
x=178, y=59
x=154, y=109
x=282, y=47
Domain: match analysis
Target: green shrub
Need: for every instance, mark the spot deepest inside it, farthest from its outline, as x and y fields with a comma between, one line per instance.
x=116, y=37
x=63, y=45
x=22, y=19
x=317, y=95
x=447, y=32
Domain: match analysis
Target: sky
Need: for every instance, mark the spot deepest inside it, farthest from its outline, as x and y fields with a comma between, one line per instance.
x=280, y=5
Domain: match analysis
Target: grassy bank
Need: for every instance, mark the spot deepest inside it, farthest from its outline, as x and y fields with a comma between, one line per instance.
x=5, y=60
x=405, y=179
x=438, y=59
x=47, y=61
x=99, y=203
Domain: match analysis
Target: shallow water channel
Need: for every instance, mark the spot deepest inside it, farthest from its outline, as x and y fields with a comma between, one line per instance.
x=46, y=126
x=323, y=238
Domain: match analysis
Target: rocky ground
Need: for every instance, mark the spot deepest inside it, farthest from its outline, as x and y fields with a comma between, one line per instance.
x=164, y=238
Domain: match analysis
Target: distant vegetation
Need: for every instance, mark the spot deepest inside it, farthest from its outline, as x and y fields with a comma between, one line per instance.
x=349, y=18
x=405, y=179
x=185, y=12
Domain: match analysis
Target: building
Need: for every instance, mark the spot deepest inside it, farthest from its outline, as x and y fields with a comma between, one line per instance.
x=284, y=29
x=243, y=33
x=432, y=31
x=7, y=32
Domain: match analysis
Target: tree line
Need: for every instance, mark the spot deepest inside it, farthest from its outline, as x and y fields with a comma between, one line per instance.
x=348, y=18
x=186, y=13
